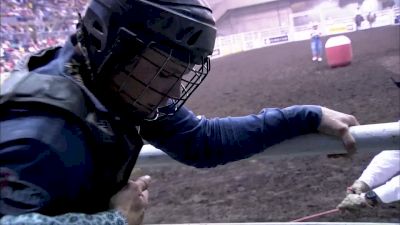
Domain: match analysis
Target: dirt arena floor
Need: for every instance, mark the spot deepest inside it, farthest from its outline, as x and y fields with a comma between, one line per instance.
x=265, y=189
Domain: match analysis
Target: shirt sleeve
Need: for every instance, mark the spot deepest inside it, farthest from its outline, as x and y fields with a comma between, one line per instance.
x=389, y=192
x=102, y=218
x=203, y=142
x=383, y=166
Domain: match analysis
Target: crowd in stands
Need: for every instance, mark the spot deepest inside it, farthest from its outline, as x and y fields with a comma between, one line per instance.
x=29, y=25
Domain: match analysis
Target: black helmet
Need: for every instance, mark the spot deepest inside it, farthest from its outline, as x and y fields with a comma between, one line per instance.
x=115, y=34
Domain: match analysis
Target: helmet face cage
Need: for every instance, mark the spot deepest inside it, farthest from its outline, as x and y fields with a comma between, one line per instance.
x=189, y=77
x=189, y=80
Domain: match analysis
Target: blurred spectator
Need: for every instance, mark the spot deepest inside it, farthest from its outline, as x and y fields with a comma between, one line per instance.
x=316, y=43
x=371, y=17
x=358, y=20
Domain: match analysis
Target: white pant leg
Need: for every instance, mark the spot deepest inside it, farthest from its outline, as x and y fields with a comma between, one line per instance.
x=389, y=192
x=383, y=166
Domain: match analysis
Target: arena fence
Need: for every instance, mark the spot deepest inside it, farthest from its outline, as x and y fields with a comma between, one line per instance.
x=369, y=138
x=235, y=43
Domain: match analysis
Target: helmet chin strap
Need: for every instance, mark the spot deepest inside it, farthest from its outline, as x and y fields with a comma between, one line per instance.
x=81, y=35
x=153, y=116
x=163, y=111
x=159, y=111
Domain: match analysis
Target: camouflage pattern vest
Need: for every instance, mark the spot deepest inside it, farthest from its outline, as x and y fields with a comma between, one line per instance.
x=114, y=147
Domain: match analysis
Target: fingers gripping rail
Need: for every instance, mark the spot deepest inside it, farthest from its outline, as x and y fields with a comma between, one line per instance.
x=369, y=138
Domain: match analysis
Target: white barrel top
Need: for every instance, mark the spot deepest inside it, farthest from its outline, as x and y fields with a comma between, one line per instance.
x=337, y=41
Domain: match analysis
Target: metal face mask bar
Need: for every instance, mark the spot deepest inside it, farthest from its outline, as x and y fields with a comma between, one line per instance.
x=149, y=81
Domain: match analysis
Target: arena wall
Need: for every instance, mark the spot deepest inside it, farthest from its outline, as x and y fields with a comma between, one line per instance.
x=279, y=22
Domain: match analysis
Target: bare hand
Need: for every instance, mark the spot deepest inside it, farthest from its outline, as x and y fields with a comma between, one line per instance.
x=337, y=124
x=132, y=200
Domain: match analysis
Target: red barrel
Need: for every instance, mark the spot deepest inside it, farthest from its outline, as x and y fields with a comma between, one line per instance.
x=338, y=51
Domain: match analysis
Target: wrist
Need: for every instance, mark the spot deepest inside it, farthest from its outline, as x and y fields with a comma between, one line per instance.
x=371, y=198
x=121, y=215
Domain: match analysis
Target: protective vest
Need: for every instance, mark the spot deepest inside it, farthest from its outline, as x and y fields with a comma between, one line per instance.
x=69, y=99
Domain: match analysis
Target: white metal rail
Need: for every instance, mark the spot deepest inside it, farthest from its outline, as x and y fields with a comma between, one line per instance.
x=371, y=137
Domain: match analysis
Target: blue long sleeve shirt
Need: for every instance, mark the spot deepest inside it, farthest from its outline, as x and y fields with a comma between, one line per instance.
x=203, y=142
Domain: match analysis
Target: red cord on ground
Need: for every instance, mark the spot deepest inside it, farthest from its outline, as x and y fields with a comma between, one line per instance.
x=316, y=215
